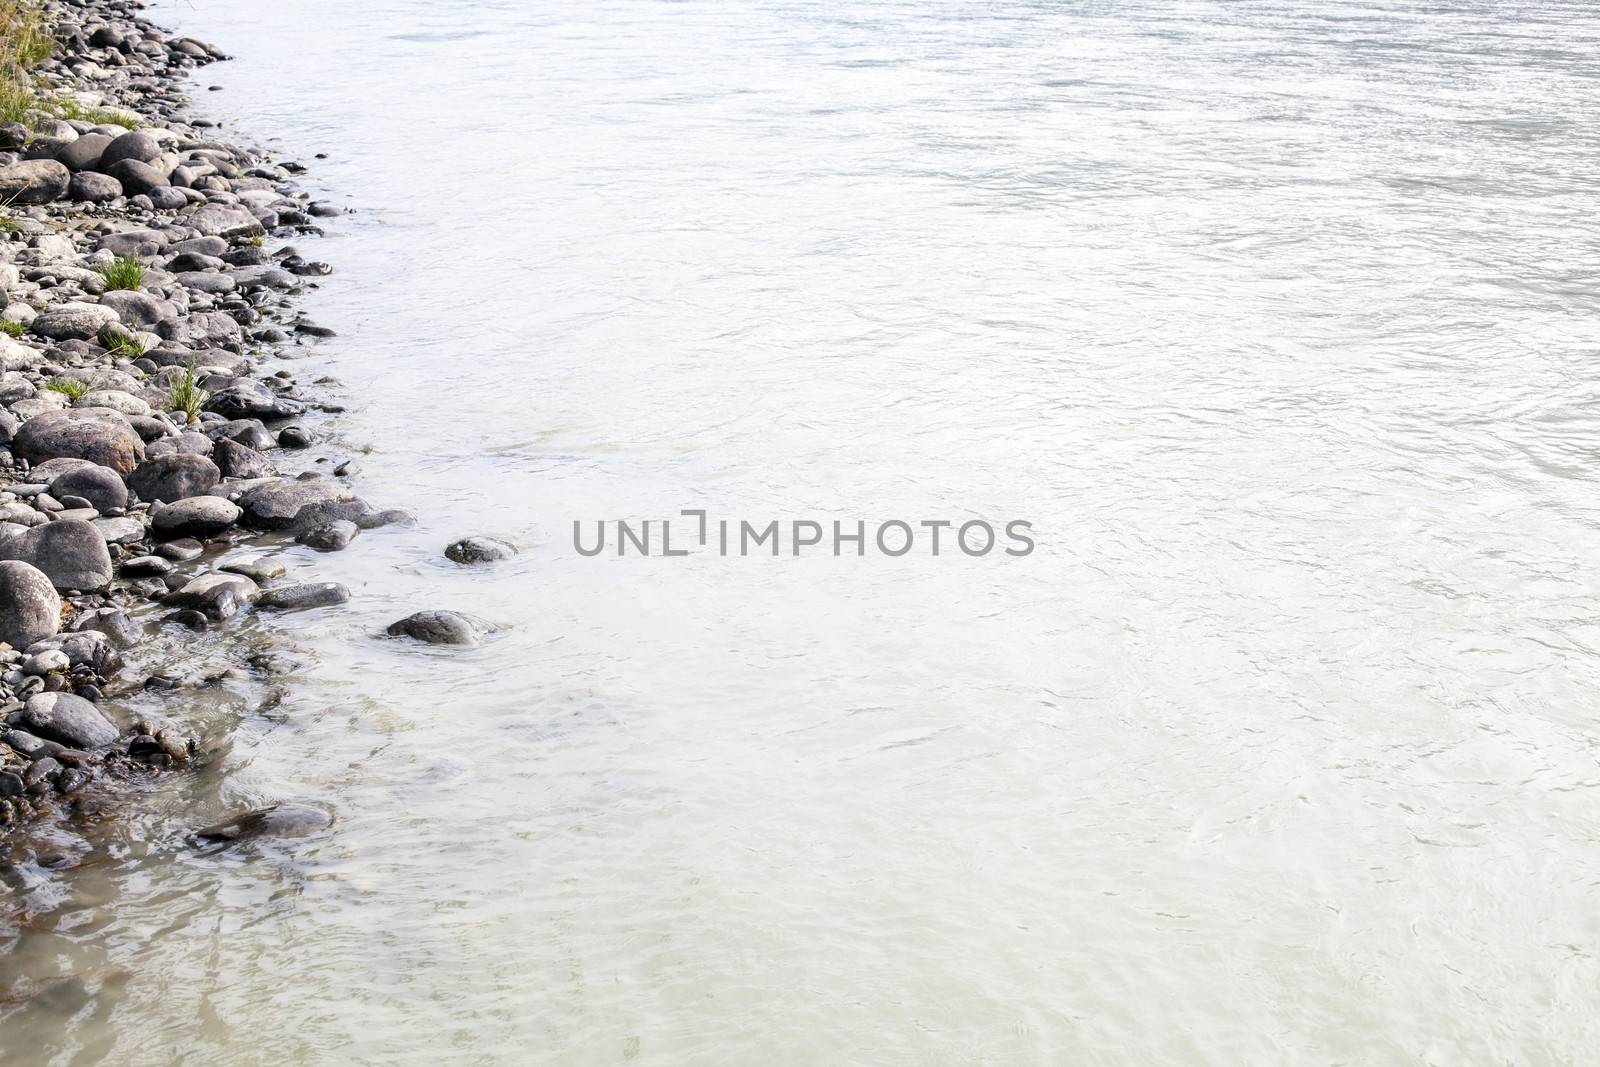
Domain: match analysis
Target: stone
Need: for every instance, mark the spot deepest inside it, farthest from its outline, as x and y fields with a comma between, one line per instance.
x=195, y=516
x=91, y=647
x=136, y=309
x=85, y=153
x=137, y=178
x=255, y=568
x=217, y=595
x=235, y=460
x=300, y=597
x=99, y=435
x=67, y=719
x=174, y=477
x=73, y=322
x=115, y=623
x=34, y=181
x=135, y=144
x=278, y=820
x=329, y=536
x=278, y=505
x=30, y=607
x=51, y=659
x=119, y=530
x=478, y=550
x=146, y=566
x=115, y=400
x=439, y=628
x=223, y=220
x=70, y=552
x=247, y=398
x=102, y=487
x=91, y=187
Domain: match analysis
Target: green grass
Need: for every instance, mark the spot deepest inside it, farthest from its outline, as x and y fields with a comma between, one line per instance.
x=24, y=41
x=125, y=272
x=70, y=388
x=187, y=396
x=118, y=342
x=13, y=329
x=67, y=108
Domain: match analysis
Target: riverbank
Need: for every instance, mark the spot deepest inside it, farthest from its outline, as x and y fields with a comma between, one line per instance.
x=145, y=279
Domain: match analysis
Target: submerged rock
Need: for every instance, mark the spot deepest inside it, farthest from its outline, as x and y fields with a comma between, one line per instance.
x=439, y=628
x=478, y=550
x=301, y=597
x=278, y=820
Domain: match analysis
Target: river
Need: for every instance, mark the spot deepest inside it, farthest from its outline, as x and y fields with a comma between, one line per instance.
x=1276, y=321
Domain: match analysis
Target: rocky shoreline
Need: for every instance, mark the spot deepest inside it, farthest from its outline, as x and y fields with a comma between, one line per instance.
x=145, y=275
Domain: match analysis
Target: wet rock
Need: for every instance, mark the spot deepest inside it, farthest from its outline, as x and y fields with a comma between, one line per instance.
x=34, y=181
x=372, y=520
x=185, y=548
x=30, y=608
x=478, y=550
x=195, y=516
x=97, y=435
x=70, y=552
x=255, y=568
x=295, y=437
x=248, y=398
x=278, y=820
x=67, y=719
x=329, y=536
x=235, y=460
x=217, y=595
x=89, y=647
x=439, y=628
x=144, y=567
x=279, y=505
x=174, y=477
x=300, y=597
x=119, y=629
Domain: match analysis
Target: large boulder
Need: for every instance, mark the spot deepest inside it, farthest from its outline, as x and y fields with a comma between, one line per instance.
x=85, y=153
x=34, y=181
x=73, y=322
x=68, y=720
x=70, y=552
x=136, y=309
x=30, y=608
x=135, y=144
x=174, y=477
x=197, y=516
x=92, y=187
x=98, y=435
x=100, y=486
x=137, y=177
x=279, y=505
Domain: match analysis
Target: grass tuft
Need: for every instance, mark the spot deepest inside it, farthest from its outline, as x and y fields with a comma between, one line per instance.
x=12, y=329
x=187, y=396
x=124, y=272
x=118, y=342
x=24, y=41
x=70, y=388
x=67, y=108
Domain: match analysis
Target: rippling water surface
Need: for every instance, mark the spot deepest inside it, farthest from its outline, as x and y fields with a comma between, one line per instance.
x=1277, y=319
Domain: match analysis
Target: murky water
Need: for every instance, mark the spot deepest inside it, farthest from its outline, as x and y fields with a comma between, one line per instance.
x=1279, y=322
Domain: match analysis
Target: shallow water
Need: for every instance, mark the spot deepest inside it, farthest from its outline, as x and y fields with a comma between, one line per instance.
x=1277, y=321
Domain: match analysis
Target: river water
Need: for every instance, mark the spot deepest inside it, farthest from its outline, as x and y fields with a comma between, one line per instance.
x=1277, y=320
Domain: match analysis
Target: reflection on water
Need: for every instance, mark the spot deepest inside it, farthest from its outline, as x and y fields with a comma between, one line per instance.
x=1276, y=320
